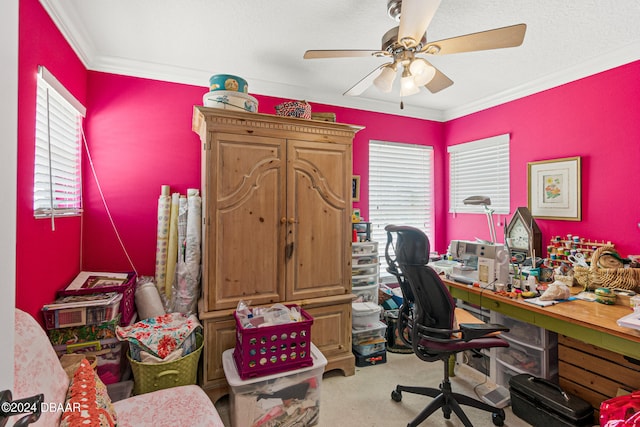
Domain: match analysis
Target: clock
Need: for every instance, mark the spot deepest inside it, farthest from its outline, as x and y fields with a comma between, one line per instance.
x=523, y=234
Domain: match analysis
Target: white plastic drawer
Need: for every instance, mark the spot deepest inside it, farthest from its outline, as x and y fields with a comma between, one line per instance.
x=525, y=333
x=360, y=270
x=364, y=248
x=505, y=372
x=366, y=293
x=521, y=358
x=360, y=281
x=364, y=260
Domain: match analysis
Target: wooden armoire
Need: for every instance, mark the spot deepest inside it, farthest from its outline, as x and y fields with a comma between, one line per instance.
x=276, y=228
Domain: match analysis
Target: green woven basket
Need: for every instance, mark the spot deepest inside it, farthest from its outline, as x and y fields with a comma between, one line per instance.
x=150, y=377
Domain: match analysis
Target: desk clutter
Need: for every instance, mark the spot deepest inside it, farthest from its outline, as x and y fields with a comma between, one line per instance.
x=592, y=264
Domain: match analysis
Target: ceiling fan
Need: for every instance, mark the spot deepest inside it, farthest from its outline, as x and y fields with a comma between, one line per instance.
x=407, y=43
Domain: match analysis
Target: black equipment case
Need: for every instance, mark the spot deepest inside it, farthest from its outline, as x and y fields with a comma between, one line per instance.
x=543, y=403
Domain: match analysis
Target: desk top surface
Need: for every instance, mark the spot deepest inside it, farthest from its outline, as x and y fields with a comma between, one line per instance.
x=592, y=315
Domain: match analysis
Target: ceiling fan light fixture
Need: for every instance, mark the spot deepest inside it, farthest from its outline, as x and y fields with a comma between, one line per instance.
x=407, y=83
x=422, y=71
x=384, y=81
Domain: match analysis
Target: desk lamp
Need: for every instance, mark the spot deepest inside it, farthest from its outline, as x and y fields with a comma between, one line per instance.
x=483, y=201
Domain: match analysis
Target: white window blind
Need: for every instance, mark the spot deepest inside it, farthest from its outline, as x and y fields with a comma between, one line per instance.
x=480, y=168
x=400, y=190
x=57, y=179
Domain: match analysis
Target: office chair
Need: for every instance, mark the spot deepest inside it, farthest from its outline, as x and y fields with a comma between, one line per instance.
x=428, y=313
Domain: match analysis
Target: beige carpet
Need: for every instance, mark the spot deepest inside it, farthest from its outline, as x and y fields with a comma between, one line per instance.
x=364, y=399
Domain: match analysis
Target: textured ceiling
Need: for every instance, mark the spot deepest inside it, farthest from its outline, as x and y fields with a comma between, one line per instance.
x=264, y=41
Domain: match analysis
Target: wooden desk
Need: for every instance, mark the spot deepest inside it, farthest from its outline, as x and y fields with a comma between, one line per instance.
x=589, y=322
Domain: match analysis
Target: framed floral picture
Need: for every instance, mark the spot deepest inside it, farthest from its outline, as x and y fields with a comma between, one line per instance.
x=555, y=189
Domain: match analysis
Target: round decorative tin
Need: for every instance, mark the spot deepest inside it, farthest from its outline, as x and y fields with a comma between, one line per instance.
x=230, y=100
x=605, y=296
x=228, y=82
x=300, y=109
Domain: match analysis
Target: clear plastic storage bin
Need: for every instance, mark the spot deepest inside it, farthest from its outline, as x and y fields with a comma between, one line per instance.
x=286, y=398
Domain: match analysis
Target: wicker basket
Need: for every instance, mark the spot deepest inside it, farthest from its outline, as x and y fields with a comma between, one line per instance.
x=150, y=377
x=593, y=277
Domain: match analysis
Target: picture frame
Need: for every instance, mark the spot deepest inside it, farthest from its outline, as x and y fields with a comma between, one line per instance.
x=355, y=188
x=554, y=188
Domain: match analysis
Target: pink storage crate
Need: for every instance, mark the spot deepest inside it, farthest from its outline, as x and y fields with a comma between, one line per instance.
x=127, y=288
x=273, y=349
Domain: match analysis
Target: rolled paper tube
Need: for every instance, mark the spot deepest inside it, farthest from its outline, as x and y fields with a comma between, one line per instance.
x=172, y=250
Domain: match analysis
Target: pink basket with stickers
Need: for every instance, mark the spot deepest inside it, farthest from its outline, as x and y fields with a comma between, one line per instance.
x=269, y=350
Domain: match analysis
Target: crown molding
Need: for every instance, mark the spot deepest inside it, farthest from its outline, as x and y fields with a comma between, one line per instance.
x=64, y=19
x=622, y=56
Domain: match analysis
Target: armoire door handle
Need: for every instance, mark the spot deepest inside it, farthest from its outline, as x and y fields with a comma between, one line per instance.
x=288, y=252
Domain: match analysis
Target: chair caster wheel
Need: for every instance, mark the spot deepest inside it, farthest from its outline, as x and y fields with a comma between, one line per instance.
x=498, y=419
x=396, y=396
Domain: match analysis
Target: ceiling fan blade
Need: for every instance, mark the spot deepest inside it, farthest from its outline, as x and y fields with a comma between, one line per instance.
x=340, y=53
x=439, y=81
x=498, y=38
x=364, y=83
x=415, y=16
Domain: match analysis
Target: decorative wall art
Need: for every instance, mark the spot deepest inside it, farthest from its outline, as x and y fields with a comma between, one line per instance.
x=555, y=189
x=355, y=188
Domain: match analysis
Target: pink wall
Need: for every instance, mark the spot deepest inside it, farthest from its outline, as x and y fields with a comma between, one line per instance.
x=595, y=118
x=139, y=134
x=45, y=259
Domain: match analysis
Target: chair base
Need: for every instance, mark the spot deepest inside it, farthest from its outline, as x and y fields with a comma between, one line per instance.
x=449, y=401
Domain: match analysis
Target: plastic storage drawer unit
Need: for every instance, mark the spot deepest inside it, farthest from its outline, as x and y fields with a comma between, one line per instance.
x=287, y=398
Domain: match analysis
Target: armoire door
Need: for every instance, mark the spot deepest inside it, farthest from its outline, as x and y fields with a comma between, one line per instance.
x=244, y=234
x=318, y=237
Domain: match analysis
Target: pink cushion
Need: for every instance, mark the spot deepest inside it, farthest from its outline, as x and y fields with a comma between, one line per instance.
x=37, y=369
x=186, y=406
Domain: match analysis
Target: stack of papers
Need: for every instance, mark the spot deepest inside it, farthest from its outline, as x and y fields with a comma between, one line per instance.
x=542, y=303
x=630, y=320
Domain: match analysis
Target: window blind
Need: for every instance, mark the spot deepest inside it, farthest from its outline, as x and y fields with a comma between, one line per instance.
x=57, y=173
x=400, y=190
x=480, y=168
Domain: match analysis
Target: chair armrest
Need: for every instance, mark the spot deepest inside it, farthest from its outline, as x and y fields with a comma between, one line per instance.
x=471, y=331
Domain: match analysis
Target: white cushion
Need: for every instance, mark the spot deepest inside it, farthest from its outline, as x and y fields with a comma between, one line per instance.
x=37, y=370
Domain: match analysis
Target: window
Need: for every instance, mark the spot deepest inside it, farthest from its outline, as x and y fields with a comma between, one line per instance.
x=57, y=178
x=480, y=168
x=400, y=190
